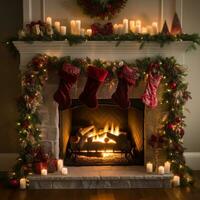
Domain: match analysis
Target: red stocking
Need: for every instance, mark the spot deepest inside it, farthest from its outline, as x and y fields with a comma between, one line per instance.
x=96, y=77
x=68, y=76
x=150, y=95
x=126, y=78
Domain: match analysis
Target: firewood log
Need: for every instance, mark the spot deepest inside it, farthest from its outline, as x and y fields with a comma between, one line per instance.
x=85, y=130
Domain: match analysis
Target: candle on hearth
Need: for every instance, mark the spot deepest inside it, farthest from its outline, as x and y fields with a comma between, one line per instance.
x=149, y=167
x=44, y=172
x=22, y=183
x=78, y=27
x=89, y=32
x=57, y=26
x=60, y=164
x=176, y=180
x=125, y=25
x=49, y=21
x=73, y=26
x=138, y=26
x=64, y=171
x=161, y=170
x=120, y=28
x=63, y=30
x=82, y=32
x=155, y=27
x=115, y=27
x=144, y=30
x=132, y=26
x=167, y=167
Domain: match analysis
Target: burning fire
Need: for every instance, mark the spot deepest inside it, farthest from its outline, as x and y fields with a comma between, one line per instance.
x=101, y=135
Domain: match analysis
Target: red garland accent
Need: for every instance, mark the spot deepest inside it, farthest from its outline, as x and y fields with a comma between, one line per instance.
x=101, y=9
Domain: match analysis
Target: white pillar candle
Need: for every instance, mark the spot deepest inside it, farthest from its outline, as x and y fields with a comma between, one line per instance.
x=60, y=164
x=22, y=182
x=57, y=26
x=149, y=167
x=78, y=27
x=44, y=172
x=82, y=32
x=89, y=32
x=155, y=27
x=120, y=28
x=63, y=30
x=125, y=25
x=150, y=30
x=64, y=171
x=132, y=26
x=115, y=27
x=161, y=170
x=167, y=167
x=138, y=26
x=73, y=26
x=176, y=181
x=49, y=21
x=144, y=30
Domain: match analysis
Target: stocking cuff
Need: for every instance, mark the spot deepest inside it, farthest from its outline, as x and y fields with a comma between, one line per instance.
x=97, y=73
x=129, y=74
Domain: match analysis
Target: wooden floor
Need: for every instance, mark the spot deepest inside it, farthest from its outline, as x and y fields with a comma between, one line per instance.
x=192, y=193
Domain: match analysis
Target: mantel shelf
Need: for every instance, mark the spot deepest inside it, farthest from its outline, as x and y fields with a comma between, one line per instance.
x=127, y=50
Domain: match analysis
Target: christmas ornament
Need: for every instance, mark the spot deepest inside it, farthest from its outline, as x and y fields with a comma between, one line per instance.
x=176, y=28
x=96, y=77
x=150, y=95
x=14, y=183
x=126, y=77
x=172, y=85
x=68, y=76
x=165, y=29
x=104, y=9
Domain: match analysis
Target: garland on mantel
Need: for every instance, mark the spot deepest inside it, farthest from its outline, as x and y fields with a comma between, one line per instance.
x=160, y=38
x=174, y=97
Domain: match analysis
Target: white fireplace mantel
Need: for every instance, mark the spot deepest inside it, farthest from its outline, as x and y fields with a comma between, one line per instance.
x=127, y=50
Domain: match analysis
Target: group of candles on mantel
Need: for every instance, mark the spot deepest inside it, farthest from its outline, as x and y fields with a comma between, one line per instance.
x=166, y=169
x=44, y=172
x=126, y=26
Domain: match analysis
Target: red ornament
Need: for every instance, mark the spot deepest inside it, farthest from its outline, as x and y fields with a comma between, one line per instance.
x=39, y=166
x=14, y=183
x=170, y=126
x=173, y=85
x=178, y=120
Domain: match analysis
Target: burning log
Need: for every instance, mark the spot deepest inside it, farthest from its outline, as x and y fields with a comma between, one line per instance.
x=85, y=130
x=98, y=146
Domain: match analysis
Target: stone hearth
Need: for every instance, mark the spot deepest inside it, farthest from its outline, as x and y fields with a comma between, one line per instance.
x=101, y=177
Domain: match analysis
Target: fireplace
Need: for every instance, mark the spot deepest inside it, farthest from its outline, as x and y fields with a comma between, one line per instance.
x=107, y=135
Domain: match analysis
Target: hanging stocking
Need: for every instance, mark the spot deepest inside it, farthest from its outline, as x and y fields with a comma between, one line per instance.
x=68, y=76
x=96, y=77
x=126, y=77
x=150, y=95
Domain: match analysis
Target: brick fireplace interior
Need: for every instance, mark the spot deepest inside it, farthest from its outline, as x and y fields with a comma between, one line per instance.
x=107, y=135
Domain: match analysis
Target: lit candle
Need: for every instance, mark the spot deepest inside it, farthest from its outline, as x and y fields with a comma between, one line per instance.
x=138, y=26
x=167, y=166
x=82, y=32
x=78, y=27
x=132, y=26
x=150, y=30
x=155, y=27
x=49, y=21
x=89, y=32
x=176, y=181
x=115, y=27
x=125, y=25
x=144, y=30
x=161, y=170
x=44, y=172
x=149, y=167
x=22, y=182
x=63, y=30
x=120, y=28
x=57, y=26
x=64, y=171
x=60, y=164
x=73, y=26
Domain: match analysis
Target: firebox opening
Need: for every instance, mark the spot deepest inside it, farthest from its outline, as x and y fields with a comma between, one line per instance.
x=107, y=135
